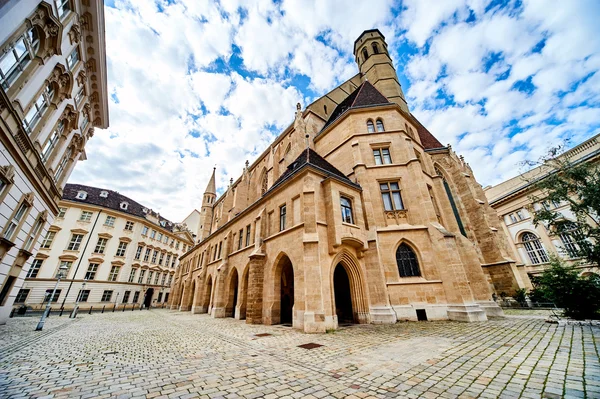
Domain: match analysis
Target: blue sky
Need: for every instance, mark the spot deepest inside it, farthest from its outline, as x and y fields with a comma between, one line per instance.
x=196, y=84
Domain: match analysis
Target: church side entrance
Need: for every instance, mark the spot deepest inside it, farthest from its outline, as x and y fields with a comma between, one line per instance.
x=343, y=297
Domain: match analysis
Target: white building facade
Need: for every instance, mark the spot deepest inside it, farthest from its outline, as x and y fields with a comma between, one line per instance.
x=124, y=252
x=52, y=95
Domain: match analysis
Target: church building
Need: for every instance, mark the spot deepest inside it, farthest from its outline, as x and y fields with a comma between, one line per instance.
x=356, y=213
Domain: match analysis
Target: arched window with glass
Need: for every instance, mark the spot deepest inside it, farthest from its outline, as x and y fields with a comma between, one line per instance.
x=264, y=184
x=375, y=48
x=370, y=126
x=406, y=259
x=379, y=124
x=534, y=248
x=365, y=53
x=571, y=238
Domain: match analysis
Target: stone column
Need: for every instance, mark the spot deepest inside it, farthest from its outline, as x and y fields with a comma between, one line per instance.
x=256, y=278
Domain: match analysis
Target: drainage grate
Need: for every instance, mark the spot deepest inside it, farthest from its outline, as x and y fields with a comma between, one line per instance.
x=310, y=345
x=111, y=353
x=263, y=335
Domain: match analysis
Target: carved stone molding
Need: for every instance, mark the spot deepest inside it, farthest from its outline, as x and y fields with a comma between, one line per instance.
x=7, y=173
x=75, y=34
x=64, y=80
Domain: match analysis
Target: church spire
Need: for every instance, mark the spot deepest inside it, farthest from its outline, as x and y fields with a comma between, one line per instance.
x=211, y=187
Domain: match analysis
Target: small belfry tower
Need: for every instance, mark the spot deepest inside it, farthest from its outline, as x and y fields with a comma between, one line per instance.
x=208, y=202
x=376, y=66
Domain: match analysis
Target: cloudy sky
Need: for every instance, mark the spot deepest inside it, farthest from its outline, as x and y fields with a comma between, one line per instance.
x=196, y=84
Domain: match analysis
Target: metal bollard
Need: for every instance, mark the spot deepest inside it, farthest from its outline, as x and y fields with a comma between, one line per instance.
x=12, y=313
x=124, y=306
x=132, y=307
x=49, y=312
x=90, y=312
x=61, y=311
x=103, y=308
x=114, y=307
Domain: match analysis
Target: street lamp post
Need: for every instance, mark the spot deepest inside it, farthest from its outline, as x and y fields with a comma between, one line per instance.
x=76, y=308
x=59, y=275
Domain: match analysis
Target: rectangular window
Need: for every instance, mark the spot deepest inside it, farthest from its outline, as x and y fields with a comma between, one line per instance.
x=219, y=254
x=150, y=274
x=513, y=218
x=73, y=58
x=136, y=296
x=91, y=271
x=101, y=245
x=166, y=240
x=16, y=57
x=160, y=236
x=49, y=294
x=33, y=235
x=435, y=205
x=83, y=295
x=122, y=249
x=241, y=239
x=35, y=113
x=106, y=296
x=154, y=255
x=159, y=297
x=521, y=215
x=147, y=254
x=247, y=235
x=145, y=230
x=79, y=96
x=170, y=279
x=85, y=216
x=129, y=226
x=161, y=258
x=177, y=245
x=382, y=156
x=61, y=212
x=141, y=277
x=282, y=217
x=16, y=220
x=114, y=272
x=110, y=221
x=138, y=252
x=22, y=295
x=173, y=261
x=75, y=242
x=156, y=278
x=52, y=141
x=63, y=7
x=164, y=279
x=153, y=234
x=126, y=296
x=132, y=275
x=35, y=268
x=67, y=265
x=168, y=260
x=390, y=193
x=346, y=205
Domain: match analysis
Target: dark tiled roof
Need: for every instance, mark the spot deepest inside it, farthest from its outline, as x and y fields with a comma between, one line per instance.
x=365, y=95
x=427, y=139
x=309, y=157
x=113, y=201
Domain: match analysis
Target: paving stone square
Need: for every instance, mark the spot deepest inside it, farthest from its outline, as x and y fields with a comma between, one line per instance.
x=165, y=354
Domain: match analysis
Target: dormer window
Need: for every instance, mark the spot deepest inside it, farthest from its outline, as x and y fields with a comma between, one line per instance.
x=145, y=210
x=81, y=195
x=104, y=194
x=163, y=223
x=124, y=205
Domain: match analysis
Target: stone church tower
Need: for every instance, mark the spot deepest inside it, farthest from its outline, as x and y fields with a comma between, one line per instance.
x=208, y=202
x=355, y=213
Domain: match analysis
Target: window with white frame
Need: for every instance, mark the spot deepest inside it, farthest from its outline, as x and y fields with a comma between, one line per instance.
x=248, y=229
x=35, y=268
x=153, y=234
x=63, y=164
x=141, y=277
x=61, y=212
x=282, y=217
x=147, y=254
x=79, y=96
x=382, y=156
x=75, y=242
x=114, y=272
x=572, y=238
x=104, y=194
x=85, y=216
x=47, y=242
x=173, y=261
x=154, y=255
x=22, y=295
x=145, y=230
x=150, y=275
x=110, y=221
x=81, y=195
x=166, y=240
x=138, y=252
x=347, y=216
x=33, y=235
x=35, y=113
x=156, y=278
x=16, y=57
x=129, y=226
x=136, y=296
x=106, y=296
x=66, y=266
x=379, y=124
x=121, y=249
x=124, y=205
x=63, y=7
x=52, y=141
x=168, y=260
x=161, y=258
x=90, y=274
x=160, y=236
x=101, y=245
x=126, y=296
x=73, y=58
x=164, y=279
x=534, y=248
x=15, y=221
x=49, y=297
x=390, y=193
x=83, y=295
x=177, y=245
x=132, y=275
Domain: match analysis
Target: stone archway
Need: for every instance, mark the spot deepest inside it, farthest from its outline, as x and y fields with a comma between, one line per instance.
x=342, y=296
x=243, y=299
x=232, y=294
x=283, y=307
x=148, y=298
x=205, y=308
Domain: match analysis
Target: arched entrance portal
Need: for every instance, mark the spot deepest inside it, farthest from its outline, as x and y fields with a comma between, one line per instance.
x=244, y=295
x=287, y=292
x=232, y=294
x=207, y=294
x=190, y=296
x=148, y=297
x=343, y=297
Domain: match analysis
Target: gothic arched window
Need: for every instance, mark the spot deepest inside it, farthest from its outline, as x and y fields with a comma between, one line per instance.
x=264, y=184
x=365, y=53
x=375, y=48
x=535, y=250
x=571, y=238
x=406, y=259
x=370, y=126
x=380, y=125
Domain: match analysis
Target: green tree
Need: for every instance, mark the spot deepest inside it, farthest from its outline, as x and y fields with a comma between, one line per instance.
x=576, y=183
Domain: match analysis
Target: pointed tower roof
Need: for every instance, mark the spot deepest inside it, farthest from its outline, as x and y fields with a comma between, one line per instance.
x=365, y=95
x=211, y=187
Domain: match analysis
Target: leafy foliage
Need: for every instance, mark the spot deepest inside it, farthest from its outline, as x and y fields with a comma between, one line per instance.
x=579, y=296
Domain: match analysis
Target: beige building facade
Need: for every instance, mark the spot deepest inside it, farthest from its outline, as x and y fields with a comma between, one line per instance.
x=532, y=245
x=125, y=253
x=356, y=213
x=52, y=95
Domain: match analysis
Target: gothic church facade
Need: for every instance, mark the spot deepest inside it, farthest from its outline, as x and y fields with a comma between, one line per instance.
x=356, y=213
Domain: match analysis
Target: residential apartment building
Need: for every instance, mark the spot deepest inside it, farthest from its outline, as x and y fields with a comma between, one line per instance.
x=124, y=252
x=531, y=245
x=52, y=95
x=356, y=213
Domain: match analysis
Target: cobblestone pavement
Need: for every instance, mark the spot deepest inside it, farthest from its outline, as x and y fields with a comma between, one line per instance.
x=158, y=353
